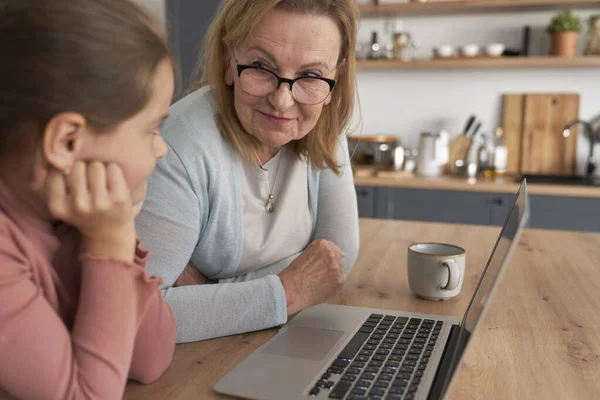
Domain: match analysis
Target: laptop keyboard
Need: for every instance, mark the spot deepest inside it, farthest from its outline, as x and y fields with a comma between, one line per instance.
x=385, y=359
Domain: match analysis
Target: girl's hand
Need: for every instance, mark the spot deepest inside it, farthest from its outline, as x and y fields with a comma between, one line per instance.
x=95, y=199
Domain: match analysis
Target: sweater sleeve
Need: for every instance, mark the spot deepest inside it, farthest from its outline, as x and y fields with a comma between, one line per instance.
x=155, y=340
x=337, y=211
x=272, y=269
x=41, y=359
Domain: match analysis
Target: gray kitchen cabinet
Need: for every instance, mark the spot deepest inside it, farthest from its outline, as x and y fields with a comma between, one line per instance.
x=365, y=196
x=465, y=207
x=187, y=23
x=567, y=213
x=442, y=206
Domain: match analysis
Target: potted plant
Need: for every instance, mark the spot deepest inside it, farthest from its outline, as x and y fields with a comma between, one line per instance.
x=564, y=30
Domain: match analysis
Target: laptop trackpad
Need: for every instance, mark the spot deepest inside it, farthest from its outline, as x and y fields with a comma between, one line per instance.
x=304, y=342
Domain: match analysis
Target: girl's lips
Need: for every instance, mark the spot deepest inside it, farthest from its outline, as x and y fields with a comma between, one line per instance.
x=276, y=120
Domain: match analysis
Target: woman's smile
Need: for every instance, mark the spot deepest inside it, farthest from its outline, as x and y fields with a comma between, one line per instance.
x=275, y=120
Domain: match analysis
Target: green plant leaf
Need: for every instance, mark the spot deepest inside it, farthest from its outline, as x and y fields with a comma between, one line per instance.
x=564, y=21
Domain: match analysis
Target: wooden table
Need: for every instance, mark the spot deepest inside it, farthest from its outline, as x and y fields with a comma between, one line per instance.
x=540, y=339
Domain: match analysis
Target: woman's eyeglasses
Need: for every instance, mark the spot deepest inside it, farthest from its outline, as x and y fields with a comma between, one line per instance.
x=259, y=81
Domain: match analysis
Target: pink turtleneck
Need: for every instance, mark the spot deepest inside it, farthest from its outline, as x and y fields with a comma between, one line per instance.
x=73, y=325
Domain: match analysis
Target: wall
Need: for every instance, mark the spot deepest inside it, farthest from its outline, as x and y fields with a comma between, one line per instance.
x=403, y=103
x=156, y=7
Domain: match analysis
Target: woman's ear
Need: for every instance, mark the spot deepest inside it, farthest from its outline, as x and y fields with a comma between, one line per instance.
x=229, y=73
x=63, y=140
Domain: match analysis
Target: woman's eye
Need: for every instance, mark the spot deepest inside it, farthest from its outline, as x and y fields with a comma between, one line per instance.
x=311, y=75
x=260, y=64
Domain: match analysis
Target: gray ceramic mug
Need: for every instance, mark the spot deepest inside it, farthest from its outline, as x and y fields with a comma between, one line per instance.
x=436, y=270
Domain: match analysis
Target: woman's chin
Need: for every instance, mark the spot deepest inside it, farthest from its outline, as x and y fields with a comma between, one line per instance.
x=275, y=139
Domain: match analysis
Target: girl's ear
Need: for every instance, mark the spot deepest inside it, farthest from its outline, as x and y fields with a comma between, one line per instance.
x=63, y=139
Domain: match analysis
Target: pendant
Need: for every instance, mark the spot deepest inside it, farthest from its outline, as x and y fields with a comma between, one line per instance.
x=270, y=206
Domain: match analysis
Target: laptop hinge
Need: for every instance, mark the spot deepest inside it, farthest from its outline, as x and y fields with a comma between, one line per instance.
x=445, y=367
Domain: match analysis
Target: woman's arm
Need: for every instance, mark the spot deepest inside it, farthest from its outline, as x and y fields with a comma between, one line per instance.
x=41, y=359
x=337, y=210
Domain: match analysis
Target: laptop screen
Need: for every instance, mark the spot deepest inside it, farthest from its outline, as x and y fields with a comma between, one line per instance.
x=501, y=254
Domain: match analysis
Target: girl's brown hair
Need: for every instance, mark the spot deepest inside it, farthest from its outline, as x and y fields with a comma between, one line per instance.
x=93, y=57
x=233, y=24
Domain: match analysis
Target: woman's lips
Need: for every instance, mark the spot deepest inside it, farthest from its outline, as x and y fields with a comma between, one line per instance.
x=276, y=120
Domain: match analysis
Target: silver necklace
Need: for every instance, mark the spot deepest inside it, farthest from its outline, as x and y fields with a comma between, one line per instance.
x=270, y=203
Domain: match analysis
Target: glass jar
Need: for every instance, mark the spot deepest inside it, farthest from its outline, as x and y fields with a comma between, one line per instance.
x=592, y=47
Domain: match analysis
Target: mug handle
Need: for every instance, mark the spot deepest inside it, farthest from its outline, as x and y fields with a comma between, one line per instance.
x=453, y=274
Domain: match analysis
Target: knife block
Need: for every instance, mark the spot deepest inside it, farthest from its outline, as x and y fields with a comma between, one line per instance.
x=458, y=150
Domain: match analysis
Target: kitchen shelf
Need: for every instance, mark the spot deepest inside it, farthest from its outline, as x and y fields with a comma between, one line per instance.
x=469, y=6
x=481, y=63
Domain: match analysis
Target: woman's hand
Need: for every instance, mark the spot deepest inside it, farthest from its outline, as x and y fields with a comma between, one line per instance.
x=314, y=276
x=191, y=276
x=95, y=199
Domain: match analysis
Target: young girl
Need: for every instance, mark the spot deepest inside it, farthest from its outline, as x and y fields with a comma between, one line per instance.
x=84, y=86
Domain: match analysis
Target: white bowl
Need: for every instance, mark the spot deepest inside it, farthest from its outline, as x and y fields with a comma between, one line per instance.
x=494, y=49
x=444, y=51
x=470, y=50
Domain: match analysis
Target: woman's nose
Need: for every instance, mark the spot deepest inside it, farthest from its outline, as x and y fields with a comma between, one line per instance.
x=282, y=98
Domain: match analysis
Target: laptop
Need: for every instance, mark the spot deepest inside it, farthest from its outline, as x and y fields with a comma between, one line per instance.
x=341, y=352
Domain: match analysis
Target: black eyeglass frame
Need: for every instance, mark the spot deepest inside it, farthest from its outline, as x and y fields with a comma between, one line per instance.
x=280, y=80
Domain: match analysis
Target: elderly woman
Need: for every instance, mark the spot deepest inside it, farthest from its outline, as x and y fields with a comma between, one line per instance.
x=256, y=193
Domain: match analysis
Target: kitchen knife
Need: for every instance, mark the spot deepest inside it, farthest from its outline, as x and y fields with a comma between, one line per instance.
x=469, y=124
x=474, y=130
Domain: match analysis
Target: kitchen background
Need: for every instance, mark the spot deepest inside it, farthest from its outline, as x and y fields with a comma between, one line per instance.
x=403, y=103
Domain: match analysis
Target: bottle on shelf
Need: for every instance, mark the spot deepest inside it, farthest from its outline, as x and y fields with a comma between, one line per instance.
x=497, y=156
x=483, y=155
x=592, y=47
x=375, y=51
x=500, y=154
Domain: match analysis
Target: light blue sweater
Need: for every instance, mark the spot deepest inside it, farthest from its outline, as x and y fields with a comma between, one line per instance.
x=193, y=211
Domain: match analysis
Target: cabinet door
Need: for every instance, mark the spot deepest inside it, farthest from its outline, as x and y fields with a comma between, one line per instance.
x=499, y=205
x=567, y=213
x=450, y=206
x=435, y=206
x=365, y=196
x=187, y=22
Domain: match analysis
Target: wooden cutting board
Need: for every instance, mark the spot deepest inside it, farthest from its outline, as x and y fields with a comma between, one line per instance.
x=544, y=149
x=512, y=123
x=533, y=133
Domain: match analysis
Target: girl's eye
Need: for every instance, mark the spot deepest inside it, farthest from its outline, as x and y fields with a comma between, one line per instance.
x=158, y=129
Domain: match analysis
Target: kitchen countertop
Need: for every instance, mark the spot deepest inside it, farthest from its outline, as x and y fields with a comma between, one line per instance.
x=400, y=179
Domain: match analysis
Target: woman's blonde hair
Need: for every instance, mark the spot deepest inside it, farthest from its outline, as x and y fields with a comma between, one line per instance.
x=232, y=25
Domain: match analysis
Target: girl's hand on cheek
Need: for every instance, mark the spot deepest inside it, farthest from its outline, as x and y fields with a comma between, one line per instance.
x=95, y=199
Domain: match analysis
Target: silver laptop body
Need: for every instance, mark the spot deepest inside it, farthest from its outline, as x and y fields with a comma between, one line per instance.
x=332, y=351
